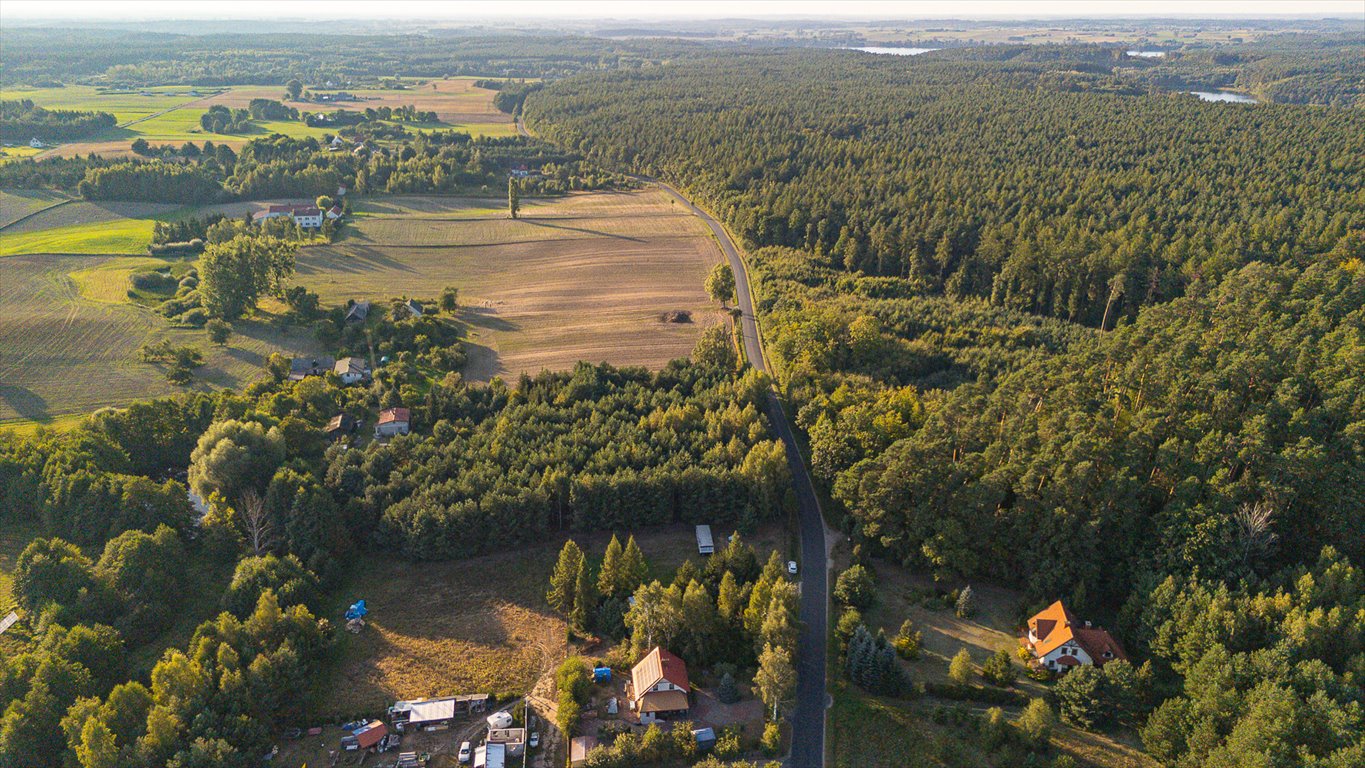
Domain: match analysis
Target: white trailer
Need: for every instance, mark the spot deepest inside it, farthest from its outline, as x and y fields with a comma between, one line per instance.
x=705, y=545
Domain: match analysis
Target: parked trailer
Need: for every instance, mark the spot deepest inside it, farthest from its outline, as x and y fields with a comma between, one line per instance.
x=705, y=545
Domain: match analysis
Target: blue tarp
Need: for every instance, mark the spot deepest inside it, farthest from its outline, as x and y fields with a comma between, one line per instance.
x=601, y=675
x=357, y=611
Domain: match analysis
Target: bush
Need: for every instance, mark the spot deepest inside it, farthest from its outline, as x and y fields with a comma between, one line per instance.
x=960, y=668
x=998, y=669
x=1036, y=724
x=196, y=318
x=772, y=740
x=907, y=641
x=976, y=693
x=154, y=282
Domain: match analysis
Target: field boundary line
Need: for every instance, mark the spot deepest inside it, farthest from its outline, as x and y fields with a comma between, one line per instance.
x=45, y=209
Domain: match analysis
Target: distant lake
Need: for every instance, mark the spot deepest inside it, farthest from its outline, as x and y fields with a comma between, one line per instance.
x=1147, y=54
x=895, y=51
x=1237, y=98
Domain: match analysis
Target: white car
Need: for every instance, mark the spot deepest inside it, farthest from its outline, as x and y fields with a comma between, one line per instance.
x=791, y=567
x=465, y=752
x=535, y=739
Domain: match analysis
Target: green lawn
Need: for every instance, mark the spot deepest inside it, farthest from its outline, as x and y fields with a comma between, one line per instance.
x=119, y=236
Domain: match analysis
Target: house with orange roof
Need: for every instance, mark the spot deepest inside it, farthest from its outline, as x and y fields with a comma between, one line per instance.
x=658, y=686
x=1059, y=641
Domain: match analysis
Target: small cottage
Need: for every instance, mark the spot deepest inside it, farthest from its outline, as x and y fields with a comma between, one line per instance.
x=352, y=370
x=1059, y=642
x=358, y=312
x=658, y=687
x=393, y=421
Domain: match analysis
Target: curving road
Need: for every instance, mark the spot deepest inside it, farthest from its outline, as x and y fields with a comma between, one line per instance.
x=808, y=721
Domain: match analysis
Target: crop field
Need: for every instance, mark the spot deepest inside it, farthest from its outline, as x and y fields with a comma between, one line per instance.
x=584, y=277
x=16, y=204
x=65, y=351
x=170, y=114
x=85, y=227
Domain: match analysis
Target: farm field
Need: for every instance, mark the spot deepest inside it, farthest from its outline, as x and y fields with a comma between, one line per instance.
x=170, y=114
x=63, y=351
x=16, y=204
x=584, y=277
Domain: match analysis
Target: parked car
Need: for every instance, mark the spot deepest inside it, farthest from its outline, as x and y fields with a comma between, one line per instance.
x=466, y=752
x=535, y=739
x=791, y=567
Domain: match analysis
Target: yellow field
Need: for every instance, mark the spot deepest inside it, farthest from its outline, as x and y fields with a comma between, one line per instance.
x=586, y=277
x=63, y=352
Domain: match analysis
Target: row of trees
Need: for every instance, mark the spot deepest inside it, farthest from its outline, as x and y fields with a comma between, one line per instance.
x=20, y=118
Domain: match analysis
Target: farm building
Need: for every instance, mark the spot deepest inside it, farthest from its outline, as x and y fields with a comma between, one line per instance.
x=393, y=421
x=658, y=686
x=436, y=714
x=413, y=308
x=705, y=544
x=334, y=212
x=358, y=312
x=340, y=425
x=301, y=368
x=306, y=216
x=579, y=747
x=1058, y=641
x=352, y=370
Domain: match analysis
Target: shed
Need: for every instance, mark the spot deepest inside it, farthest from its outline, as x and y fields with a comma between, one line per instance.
x=705, y=545
x=366, y=736
x=579, y=747
x=431, y=714
x=358, y=312
x=706, y=737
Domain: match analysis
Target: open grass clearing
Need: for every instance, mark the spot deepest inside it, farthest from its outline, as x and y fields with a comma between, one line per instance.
x=583, y=277
x=63, y=353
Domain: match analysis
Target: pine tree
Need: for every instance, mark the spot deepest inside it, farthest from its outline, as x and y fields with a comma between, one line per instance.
x=730, y=598
x=562, y=582
x=584, y=599
x=609, y=578
x=633, y=567
x=727, y=692
x=966, y=603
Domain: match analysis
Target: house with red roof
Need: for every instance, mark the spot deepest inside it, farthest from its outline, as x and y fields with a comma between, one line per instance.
x=393, y=421
x=659, y=687
x=1059, y=641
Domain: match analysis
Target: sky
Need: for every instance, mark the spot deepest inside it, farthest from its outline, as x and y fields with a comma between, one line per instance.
x=454, y=10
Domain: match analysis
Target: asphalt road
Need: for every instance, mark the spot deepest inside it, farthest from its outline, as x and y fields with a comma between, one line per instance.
x=808, y=721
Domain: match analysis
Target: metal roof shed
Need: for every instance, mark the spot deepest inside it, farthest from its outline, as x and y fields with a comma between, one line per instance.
x=705, y=545
x=433, y=711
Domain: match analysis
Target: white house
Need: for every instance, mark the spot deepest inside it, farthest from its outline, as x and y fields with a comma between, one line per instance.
x=393, y=421
x=1058, y=641
x=36, y=143
x=306, y=216
x=352, y=370
x=658, y=686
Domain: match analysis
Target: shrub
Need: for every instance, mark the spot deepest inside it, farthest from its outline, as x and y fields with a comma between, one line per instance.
x=960, y=668
x=1036, y=724
x=907, y=641
x=772, y=740
x=998, y=670
x=727, y=691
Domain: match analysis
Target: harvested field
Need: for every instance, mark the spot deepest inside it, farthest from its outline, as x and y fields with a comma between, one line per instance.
x=15, y=204
x=454, y=101
x=64, y=352
x=585, y=277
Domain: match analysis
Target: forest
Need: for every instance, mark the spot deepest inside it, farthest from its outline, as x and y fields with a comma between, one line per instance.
x=19, y=118
x=1045, y=326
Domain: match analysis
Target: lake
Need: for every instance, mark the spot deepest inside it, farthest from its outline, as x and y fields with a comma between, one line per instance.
x=895, y=51
x=1148, y=54
x=1236, y=98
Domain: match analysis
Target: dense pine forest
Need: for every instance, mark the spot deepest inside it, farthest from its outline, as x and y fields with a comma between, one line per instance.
x=1044, y=325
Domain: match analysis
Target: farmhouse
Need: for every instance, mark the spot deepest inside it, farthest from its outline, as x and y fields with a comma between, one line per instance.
x=392, y=421
x=1058, y=641
x=334, y=213
x=352, y=370
x=301, y=368
x=658, y=686
x=306, y=216
x=358, y=312
x=340, y=425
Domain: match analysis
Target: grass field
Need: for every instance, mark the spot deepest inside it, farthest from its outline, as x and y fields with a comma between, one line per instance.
x=170, y=114
x=65, y=352
x=586, y=277
x=94, y=227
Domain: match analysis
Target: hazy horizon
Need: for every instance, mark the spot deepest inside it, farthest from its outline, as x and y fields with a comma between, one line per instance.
x=88, y=11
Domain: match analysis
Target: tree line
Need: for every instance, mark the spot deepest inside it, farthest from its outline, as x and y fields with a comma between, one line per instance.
x=20, y=118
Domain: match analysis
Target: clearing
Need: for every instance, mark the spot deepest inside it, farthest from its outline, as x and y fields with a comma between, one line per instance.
x=582, y=277
x=69, y=340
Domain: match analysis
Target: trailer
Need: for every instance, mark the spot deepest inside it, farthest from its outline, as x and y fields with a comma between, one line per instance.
x=705, y=545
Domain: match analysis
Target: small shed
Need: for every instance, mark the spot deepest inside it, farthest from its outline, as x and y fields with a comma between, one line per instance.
x=706, y=737
x=358, y=312
x=705, y=545
x=365, y=737
x=340, y=425
x=579, y=747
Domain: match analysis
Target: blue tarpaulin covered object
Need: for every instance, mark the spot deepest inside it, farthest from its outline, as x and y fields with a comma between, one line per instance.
x=356, y=611
x=601, y=675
